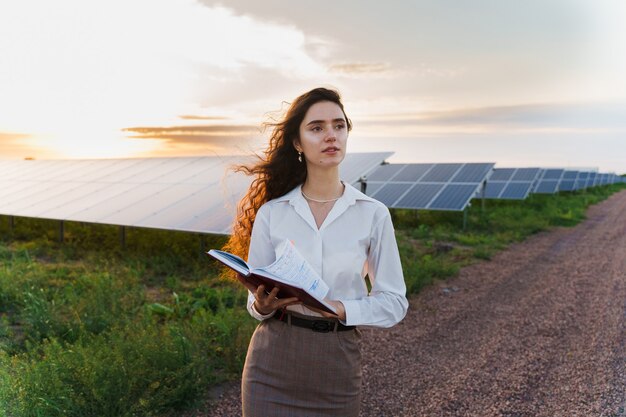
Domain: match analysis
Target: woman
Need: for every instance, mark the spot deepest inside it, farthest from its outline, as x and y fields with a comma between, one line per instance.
x=303, y=362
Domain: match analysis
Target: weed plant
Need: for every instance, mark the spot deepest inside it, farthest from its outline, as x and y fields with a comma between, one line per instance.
x=89, y=327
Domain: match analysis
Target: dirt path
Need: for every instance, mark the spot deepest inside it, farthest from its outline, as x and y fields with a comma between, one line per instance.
x=538, y=331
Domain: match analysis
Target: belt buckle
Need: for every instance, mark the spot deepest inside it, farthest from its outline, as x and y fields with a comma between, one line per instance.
x=322, y=326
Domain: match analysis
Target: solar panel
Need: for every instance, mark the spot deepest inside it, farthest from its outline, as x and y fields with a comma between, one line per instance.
x=389, y=193
x=581, y=181
x=568, y=183
x=413, y=172
x=570, y=175
x=371, y=187
x=385, y=172
x=553, y=174
x=356, y=165
x=597, y=180
x=472, y=173
x=34, y=192
x=502, y=174
x=546, y=187
x=441, y=173
x=30, y=170
x=69, y=205
x=517, y=190
x=194, y=194
x=6, y=188
x=511, y=183
x=420, y=195
x=590, y=180
x=494, y=189
x=526, y=174
x=548, y=181
x=453, y=197
x=8, y=167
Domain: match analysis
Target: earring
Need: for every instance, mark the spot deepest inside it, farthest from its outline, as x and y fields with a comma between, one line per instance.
x=299, y=156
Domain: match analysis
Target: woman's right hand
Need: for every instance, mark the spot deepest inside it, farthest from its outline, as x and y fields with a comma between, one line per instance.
x=266, y=303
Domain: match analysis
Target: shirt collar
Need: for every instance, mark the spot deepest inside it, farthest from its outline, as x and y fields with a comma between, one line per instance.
x=300, y=205
x=292, y=195
x=350, y=195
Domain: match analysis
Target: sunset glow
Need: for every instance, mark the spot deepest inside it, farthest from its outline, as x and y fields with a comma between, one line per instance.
x=78, y=79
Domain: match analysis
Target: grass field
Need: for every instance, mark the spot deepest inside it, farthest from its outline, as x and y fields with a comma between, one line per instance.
x=88, y=328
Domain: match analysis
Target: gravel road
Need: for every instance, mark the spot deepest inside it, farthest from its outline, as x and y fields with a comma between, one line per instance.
x=537, y=331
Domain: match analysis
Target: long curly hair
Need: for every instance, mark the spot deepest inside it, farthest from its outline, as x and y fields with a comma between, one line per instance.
x=278, y=170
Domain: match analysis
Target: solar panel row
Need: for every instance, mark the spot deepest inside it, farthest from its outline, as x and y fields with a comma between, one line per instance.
x=447, y=186
x=571, y=180
x=173, y=193
x=187, y=194
x=196, y=194
x=518, y=183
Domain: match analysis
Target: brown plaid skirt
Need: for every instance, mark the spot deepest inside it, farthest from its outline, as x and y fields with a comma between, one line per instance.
x=295, y=372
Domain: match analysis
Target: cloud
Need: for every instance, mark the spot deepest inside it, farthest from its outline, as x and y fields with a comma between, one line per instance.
x=547, y=116
x=194, y=134
x=196, y=117
x=12, y=137
x=213, y=138
x=119, y=63
x=360, y=68
x=16, y=145
x=423, y=70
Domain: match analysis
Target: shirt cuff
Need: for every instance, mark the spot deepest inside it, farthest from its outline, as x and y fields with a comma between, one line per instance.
x=254, y=312
x=353, y=312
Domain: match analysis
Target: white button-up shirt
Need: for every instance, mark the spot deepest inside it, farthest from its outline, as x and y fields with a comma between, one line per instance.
x=356, y=239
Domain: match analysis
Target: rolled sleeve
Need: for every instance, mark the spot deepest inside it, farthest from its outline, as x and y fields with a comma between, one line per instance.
x=253, y=311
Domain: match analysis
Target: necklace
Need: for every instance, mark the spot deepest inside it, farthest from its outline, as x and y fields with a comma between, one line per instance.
x=318, y=201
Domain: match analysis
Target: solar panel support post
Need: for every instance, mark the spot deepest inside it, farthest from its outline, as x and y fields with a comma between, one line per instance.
x=482, y=200
x=10, y=228
x=465, y=219
x=123, y=237
x=202, y=238
x=363, y=181
x=61, y=231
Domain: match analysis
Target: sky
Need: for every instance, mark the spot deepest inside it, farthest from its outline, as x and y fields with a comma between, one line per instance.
x=533, y=83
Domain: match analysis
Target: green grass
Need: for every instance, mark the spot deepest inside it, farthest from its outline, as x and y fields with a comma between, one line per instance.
x=433, y=245
x=88, y=328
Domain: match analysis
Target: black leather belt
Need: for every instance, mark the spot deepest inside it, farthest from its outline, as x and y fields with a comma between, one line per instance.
x=317, y=325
